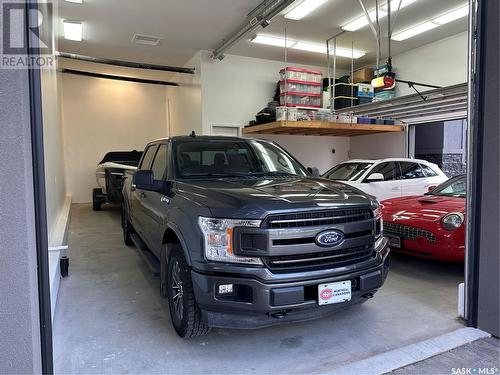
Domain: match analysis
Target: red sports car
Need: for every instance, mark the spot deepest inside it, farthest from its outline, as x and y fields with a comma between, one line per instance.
x=430, y=225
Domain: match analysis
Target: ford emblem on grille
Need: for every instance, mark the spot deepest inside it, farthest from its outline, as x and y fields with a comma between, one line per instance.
x=329, y=238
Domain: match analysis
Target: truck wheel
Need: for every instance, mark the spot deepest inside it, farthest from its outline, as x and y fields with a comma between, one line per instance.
x=184, y=311
x=127, y=228
x=96, y=199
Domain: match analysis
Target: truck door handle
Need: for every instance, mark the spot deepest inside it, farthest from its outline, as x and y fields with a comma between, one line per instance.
x=395, y=188
x=143, y=195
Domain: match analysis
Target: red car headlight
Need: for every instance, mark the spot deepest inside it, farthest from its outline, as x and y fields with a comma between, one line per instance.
x=453, y=221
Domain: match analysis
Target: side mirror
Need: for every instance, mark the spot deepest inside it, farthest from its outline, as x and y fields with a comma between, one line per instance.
x=143, y=180
x=375, y=177
x=313, y=171
x=431, y=188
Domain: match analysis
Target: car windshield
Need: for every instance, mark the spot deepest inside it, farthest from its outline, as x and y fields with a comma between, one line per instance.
x=233, y=158
x=456, y=187
x=347, y=171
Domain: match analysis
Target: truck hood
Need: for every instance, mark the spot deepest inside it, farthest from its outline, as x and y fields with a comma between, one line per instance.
x=422, y=207
x=256, y=198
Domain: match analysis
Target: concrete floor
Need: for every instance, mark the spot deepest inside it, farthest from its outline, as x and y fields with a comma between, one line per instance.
x=110, y=318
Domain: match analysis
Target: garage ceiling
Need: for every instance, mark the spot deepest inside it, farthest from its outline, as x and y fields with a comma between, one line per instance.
x=187, y=26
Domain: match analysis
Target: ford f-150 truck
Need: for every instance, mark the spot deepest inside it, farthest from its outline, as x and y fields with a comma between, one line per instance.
x=246, y=237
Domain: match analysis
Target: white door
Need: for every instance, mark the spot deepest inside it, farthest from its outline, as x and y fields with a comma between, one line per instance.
x=226, y=131
x=390, y=187
x=414, y=181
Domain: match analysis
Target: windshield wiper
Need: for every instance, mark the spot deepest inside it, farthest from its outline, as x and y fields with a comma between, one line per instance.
x=218, y=175
x=275, y=173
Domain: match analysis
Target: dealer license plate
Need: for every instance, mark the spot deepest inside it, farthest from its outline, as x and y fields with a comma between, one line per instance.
x=334, y=293
x=394, y=242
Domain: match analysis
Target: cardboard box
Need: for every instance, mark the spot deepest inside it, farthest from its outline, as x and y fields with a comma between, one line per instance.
x=365, y=90
x=363, y=75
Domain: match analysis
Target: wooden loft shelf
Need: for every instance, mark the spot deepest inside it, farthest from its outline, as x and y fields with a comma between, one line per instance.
x=320, y=128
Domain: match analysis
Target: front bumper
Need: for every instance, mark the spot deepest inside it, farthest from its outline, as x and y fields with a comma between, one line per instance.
x=447, y=245
x=421, y=248
x=256, y=304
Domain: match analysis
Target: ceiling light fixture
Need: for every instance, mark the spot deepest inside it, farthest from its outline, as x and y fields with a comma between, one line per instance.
x=272, y=41
x=75, y=1
x=73, y=30
x=304, y=8
x=362, y=21
x=452, y=16
x=306, y=46
x=443, y=19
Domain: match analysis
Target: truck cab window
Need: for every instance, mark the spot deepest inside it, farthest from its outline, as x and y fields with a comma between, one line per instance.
x=159, y=166
x=148, y=157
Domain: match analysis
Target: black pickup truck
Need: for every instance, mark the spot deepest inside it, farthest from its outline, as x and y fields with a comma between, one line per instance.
x=246, y=237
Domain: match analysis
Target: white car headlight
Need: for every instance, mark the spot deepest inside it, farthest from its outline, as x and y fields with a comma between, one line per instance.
x=453, y=221
x=218, y=234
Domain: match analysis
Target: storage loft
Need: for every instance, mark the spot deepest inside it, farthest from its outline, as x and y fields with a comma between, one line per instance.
x=320, y=128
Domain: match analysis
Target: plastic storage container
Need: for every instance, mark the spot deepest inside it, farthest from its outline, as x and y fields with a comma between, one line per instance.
x=344, y=102
x=292, y=85
x=345, y=89
x=297, y=99
x=385, y=95
x=305, y=75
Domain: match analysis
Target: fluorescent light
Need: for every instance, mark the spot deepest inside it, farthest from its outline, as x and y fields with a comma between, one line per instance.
x=75, y=1
x=452, y=16
x=415, y=30
x=272, y=41
x=362, y=21
x=395, y=5
x=73, y=30
x=306, y=46
x=432, y=24
x=311, y=47
x=304, y=8
x=321, y=48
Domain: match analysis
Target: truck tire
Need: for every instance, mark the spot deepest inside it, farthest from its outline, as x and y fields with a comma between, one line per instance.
x=126, y=227
x=96, y=199
x=185, y=313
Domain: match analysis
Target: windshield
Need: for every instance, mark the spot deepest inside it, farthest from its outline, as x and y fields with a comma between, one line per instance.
x=230, y=158
x=456, y=187
x=123, y=157
x=347, y=171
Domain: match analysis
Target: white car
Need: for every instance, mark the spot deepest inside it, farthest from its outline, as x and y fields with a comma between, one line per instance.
x=388, y=178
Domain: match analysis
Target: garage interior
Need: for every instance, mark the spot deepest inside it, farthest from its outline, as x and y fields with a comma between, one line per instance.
x=108, y=316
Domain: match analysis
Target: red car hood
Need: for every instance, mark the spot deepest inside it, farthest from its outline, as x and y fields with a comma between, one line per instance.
x=422, y=207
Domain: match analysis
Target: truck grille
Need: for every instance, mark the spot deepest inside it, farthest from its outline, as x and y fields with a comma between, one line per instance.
x=407, y=232
x=324, y=259
x=317, y=218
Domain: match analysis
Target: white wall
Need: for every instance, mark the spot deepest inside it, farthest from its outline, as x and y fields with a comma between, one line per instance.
x=236, y=88
x=101, y=115
x=53, y=148
x=441, y=63
x=184, y=103
x=378, y=146
x=314, y=151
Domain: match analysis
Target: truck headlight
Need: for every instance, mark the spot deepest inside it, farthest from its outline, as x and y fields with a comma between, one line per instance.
x=453, y=221
x=218, y=235
x=379, y=222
